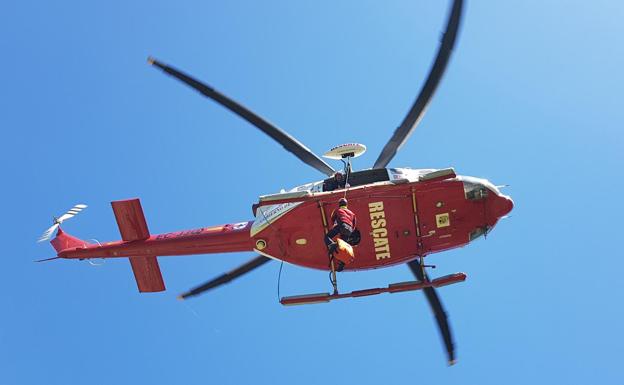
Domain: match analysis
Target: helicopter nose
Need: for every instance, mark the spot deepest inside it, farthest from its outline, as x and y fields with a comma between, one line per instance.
x=503, y=205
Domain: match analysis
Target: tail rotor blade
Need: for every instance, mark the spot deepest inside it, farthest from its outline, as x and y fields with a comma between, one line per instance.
x=438, y=311
x=57, y=221
x=226, y=277
x=48, y=233
x=72, y=212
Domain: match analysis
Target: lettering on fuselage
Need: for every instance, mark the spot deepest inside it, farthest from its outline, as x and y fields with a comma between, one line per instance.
x=379, y=233
x=178, y=234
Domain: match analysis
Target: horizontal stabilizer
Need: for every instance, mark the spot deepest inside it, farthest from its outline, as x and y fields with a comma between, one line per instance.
x=133, y=227
x=147, y=274
x=130, y=219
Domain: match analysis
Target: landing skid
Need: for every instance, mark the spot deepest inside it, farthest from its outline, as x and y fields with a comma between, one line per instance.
x=393, y=288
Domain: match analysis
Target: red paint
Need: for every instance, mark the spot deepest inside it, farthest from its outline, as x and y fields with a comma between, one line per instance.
x=147, y=274
x=344, y=215
x=404, y=241
x=130, y=219
x=392, y=231
x=206, y=240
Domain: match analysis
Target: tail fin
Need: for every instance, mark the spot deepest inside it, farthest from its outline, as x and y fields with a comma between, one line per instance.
x=64, y=241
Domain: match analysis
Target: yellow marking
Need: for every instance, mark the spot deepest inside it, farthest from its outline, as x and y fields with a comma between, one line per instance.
x=382, y=256
x=379, y=233
x=378, y=223
x=415, y=208
x=379, y=242
x=323, y=217
x=375, y=206
x=211, y=229
x=260, y=244
x=301, y=241
x=443, y=220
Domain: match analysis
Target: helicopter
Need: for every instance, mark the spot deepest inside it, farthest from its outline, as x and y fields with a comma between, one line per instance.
x=404, y=214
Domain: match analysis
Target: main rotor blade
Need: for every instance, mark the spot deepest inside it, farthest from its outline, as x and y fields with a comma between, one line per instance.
x=426, y=93
x=226, y=277
x=438, y=310
x=291, y=144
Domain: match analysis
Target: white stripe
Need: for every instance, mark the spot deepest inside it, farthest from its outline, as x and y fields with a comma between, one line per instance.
x=272, y=257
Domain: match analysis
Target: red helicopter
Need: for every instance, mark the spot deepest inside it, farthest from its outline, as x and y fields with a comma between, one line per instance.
x=403, y=214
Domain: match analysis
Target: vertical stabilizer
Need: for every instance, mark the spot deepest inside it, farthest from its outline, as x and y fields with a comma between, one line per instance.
x=64, y=241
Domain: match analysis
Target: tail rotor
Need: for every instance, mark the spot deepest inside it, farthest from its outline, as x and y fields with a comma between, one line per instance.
x=57, y=221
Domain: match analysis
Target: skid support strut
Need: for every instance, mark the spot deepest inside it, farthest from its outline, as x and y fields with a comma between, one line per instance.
x=334, y=278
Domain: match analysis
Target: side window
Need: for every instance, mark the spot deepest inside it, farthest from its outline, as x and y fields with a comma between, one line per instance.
x=475, y=191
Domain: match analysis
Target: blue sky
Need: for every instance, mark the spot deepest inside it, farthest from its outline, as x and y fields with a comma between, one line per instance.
x=532, y=98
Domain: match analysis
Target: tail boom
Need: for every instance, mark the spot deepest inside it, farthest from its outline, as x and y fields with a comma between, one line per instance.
x=205, y=240
x=142, y=248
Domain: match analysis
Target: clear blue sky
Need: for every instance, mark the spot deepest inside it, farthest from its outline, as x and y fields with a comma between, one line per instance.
x=532, y=98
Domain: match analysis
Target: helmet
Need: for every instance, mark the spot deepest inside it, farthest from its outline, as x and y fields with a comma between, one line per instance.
x=342, y=202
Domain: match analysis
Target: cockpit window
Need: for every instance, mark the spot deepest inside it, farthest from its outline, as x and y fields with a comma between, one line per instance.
x=475, y=191
x=476, y=188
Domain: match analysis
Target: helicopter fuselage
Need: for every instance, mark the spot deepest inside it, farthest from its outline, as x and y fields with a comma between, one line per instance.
x=412, y=214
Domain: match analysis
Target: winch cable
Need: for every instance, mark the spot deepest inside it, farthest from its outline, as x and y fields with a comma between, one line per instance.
x=279, y=278
x=347, y=166
x=347, y=172
x=279, y=275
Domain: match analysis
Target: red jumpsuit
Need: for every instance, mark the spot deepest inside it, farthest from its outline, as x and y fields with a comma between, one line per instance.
x=344, y=223
x=344, y=215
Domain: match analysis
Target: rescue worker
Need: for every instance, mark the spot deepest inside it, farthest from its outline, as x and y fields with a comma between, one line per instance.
x=344, y=226
x=335, y=182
